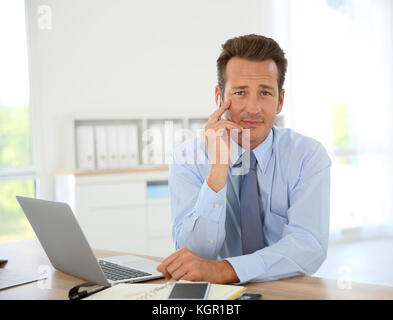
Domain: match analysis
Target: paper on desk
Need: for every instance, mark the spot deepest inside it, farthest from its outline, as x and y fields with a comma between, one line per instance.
x=134, y=291
x=9, y=278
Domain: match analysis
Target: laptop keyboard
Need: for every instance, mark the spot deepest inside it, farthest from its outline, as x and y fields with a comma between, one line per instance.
x=116, y=272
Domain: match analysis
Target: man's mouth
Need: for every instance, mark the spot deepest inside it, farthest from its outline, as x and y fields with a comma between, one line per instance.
x=252, y=123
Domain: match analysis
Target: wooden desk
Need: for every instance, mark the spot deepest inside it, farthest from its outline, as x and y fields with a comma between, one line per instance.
x=28, y=256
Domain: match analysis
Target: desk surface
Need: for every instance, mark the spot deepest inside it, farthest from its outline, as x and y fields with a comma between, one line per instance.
x=28, y=256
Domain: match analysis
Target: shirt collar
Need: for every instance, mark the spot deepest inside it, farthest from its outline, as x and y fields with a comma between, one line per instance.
x=262, y=152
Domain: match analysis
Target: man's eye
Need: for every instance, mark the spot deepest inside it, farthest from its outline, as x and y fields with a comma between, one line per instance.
x=266, y=93
x=239, y=93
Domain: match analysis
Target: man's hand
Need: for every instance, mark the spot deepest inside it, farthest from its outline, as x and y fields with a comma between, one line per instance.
x=217, y=136
x=187, y=265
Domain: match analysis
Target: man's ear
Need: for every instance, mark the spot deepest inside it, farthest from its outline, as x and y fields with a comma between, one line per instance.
x=281, y=101
x=218, y=95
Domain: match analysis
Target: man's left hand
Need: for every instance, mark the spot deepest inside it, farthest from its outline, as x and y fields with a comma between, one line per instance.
x=187, y=265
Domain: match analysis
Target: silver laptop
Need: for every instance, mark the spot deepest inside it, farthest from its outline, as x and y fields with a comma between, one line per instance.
x=69, y=251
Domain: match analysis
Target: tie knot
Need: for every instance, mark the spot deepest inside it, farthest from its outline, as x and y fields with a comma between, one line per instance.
x=252, y=163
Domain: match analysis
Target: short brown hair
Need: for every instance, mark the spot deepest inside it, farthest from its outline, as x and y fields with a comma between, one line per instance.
x=251, y=47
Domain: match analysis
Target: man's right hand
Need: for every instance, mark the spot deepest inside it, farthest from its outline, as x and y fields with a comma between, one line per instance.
x=217, y=136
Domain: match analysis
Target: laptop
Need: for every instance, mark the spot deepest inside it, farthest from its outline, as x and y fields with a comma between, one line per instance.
x=68, y=250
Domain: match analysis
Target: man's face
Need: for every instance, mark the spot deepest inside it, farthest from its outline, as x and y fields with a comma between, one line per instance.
x=252, y=88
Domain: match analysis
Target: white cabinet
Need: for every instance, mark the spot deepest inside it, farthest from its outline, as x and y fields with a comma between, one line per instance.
x=117, y=210
x=158, y=225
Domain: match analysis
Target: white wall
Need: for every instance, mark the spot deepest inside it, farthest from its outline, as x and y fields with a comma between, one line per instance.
x=126, y=58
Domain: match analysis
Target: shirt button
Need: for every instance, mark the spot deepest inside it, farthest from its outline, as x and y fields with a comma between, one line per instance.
x=211, y=241
x=216, y=205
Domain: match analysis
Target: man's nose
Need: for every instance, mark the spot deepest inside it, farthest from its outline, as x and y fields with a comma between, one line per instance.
x=253, y=105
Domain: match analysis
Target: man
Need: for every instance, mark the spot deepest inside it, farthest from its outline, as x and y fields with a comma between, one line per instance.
x=271, y=221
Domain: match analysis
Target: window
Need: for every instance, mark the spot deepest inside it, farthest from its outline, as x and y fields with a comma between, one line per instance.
x=339, y=81
x=17, y=174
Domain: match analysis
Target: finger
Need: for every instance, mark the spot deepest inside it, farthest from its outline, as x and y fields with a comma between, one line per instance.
x=191, y=276
x=215, y=116
x=180, y=272
x=222, y=130
x=226, y=122
x=161, y=268
x=174, y=266
x=164, y=263
x=168, y=260
x=220, y=111
x=223, y=124
x=191, y=272
x=231, y=126
x=172, y=257
x=188, y=277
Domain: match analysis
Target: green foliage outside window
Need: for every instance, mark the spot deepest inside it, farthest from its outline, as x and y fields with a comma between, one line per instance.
x=340, y=126
x=14, y=136
x=344, y=135
x=15, y=151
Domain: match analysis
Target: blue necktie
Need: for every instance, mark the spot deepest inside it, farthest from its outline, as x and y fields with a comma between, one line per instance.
x=250, y=215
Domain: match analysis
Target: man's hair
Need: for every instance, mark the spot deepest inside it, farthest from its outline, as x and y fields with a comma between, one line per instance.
x=251, y=47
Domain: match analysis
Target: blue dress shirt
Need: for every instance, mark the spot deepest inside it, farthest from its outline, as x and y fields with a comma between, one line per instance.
x=294, y=182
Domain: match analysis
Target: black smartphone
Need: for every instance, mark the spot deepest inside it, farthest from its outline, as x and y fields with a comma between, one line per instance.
x=250, y=296
x=193, y=290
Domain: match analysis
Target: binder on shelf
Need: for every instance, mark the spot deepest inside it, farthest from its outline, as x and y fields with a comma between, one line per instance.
x=133, y=144
x=123, y=147
x=112, y=146
x=155, y=143
x=85, y=147
x=115, y=143
x=174, y=134
x=101, y=147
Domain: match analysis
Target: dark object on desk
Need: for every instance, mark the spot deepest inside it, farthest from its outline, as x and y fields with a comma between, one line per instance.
x=250, y=296
x=75, y=294
x=192, y=291
x=3, y=262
